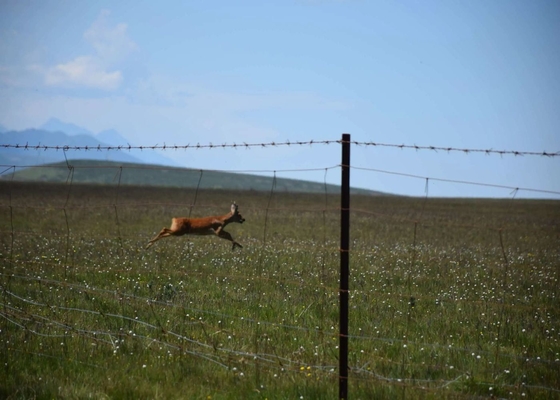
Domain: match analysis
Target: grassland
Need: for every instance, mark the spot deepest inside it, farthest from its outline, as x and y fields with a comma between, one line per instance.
x=449, y=298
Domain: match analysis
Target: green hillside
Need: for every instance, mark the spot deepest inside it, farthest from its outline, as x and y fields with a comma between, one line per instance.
x=106, y=172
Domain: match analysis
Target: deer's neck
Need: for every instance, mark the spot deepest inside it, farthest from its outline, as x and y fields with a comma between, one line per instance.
x=228, y=218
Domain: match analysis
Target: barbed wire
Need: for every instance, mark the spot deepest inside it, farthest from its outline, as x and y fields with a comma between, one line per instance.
x=287, y=143
x=188, y=146
x=450, y=149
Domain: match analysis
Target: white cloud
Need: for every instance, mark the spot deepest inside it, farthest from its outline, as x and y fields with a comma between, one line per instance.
x=111, y=44
x=83, y=71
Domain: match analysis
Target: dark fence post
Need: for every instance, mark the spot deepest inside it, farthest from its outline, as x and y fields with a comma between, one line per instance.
x=344, y=267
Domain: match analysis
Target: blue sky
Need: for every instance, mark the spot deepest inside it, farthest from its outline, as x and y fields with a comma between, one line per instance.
x=472, y=74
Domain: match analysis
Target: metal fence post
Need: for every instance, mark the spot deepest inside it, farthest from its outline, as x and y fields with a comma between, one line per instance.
x=344, y=267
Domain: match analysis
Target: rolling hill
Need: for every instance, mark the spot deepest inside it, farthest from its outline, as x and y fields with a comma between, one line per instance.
x=108, y=172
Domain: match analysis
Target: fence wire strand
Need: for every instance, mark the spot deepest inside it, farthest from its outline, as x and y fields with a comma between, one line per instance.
x=244, y=145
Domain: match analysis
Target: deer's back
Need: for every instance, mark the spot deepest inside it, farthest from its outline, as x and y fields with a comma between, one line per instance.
x=201, y=226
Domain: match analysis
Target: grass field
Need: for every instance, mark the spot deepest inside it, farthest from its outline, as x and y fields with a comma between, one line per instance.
x=449, y=298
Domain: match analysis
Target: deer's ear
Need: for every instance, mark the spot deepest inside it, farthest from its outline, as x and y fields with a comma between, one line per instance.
x=233, y=207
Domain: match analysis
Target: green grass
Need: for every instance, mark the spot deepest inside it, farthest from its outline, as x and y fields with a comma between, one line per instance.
x=449, y=298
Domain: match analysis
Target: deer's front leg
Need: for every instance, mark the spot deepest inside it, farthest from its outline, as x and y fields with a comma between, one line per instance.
x=225, y=235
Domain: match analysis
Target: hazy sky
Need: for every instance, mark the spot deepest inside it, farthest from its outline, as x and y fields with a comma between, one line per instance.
x=473, y=74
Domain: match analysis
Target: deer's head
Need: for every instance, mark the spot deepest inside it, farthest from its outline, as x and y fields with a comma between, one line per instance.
x=235, y=216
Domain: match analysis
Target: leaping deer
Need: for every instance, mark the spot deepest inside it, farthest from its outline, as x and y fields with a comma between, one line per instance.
x=202, y=226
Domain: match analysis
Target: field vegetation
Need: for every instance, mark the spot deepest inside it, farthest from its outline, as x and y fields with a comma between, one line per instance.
x=450, y=298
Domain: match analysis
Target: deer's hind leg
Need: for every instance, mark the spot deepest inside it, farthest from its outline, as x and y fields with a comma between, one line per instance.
x=165, y=232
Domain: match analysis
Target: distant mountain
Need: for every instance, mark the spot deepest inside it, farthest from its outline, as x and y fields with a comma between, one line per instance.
x=56, y=125
x=3, y=128
x=104, y=173
x=31, y=155
x=55, y=132
x=112, y=138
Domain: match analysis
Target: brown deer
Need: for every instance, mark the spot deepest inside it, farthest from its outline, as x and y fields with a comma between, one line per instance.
x=202, y=226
